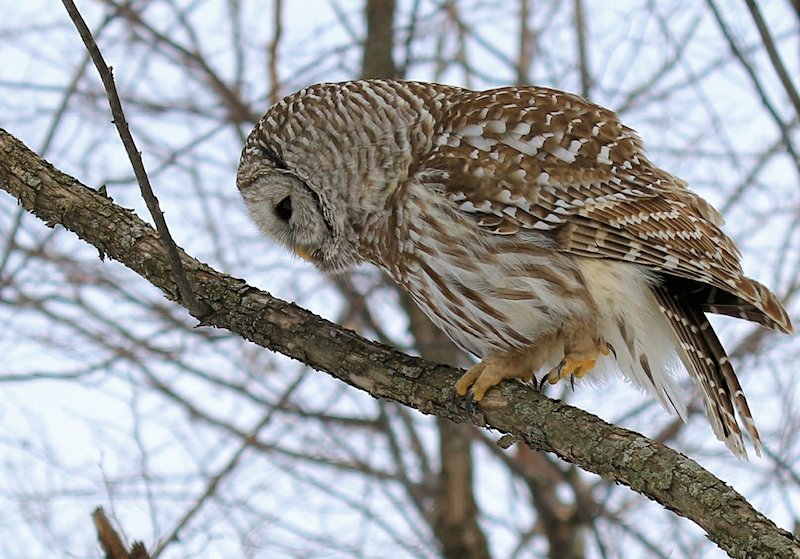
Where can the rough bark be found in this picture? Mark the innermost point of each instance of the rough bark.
(616, 454)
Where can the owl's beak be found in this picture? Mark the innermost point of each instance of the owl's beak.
(303, 253)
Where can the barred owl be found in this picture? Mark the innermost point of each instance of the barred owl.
(526, 222)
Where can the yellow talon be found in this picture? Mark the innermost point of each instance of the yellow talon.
(492, 371)
(583, 367)
(577, 366)
(468, 379)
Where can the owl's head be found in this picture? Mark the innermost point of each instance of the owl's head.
(323, 163)
(289, 209)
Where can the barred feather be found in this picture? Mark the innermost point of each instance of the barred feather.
(704, 357)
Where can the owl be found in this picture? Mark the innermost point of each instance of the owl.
(527, 223)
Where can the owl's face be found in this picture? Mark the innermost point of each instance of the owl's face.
(318, 171)
(290, 210)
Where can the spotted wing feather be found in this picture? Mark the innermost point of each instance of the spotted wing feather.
(534, 159)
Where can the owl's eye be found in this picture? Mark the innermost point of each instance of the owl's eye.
(284, 209)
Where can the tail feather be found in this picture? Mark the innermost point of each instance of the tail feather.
(708, 365)
(753, 301)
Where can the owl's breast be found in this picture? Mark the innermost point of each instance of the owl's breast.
(488, 293)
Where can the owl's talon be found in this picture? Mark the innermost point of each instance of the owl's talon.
(469, 402)
(540, 384)
(479, 378)
(578, 365)
(468, 379)
(571, 368)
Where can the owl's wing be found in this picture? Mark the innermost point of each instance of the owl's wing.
(539, 160)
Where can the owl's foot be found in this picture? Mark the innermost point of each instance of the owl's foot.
(577, 364)
(490, 372)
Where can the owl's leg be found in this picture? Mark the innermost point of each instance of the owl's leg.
(581, 353)
(490, 372)
(496, 368)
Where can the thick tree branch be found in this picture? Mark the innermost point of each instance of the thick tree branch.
(617, 454)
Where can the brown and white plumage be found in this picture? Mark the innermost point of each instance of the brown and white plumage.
(526, 222)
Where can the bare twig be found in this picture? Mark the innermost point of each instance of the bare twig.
(111, 542)
(274, 80)
(748, 68)
(190, 301)
(774, 57)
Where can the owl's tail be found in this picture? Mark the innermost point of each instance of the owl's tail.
(708, 365)
(753, 301)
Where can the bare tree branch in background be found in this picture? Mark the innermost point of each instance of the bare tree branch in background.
(527, 44)
(274, 95)
(583, 53)
(751, 73)
(378, 61)
(774, 56)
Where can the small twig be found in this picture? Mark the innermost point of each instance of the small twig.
(112, 542)
(774, 57)
(188, 298)
(274, 80)
(229, 467)
(583, 53)
(748, 68)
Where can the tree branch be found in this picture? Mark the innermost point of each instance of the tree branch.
(187, 296)
(576, 436)
(748, 68)
(111, 542)
(774, 55)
